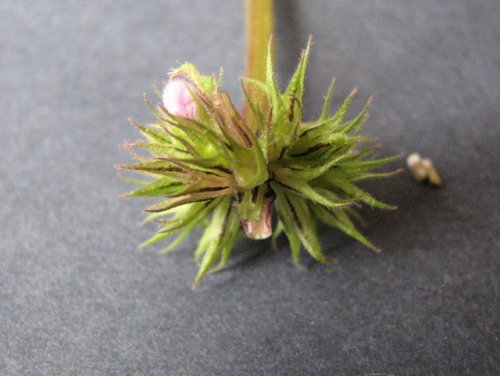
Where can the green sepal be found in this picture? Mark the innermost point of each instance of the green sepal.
(325, 112)
(249, 166)
(296, 215)
(358, 194)
(219, 235)
(289, 226)
(160, 187)
(345, 225)
(250, 203)
(206, 83)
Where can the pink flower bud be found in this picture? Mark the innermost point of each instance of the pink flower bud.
(178, 100)
(261, 229)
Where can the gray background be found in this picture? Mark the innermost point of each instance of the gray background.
(78, 298)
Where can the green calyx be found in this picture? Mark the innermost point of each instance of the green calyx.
(228, 174)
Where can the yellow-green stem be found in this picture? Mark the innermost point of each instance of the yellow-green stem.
(259, 28)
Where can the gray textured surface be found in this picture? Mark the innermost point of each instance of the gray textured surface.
(78, 298)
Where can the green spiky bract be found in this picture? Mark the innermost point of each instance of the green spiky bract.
(219, 170)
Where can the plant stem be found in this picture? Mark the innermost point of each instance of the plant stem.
(259, 28)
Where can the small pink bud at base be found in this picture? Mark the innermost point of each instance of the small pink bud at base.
(262, 228)
(178, 100)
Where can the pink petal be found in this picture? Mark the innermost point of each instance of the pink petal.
(261, 229)
(178, 100)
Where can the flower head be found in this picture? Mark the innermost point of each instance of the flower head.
(213, 167)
